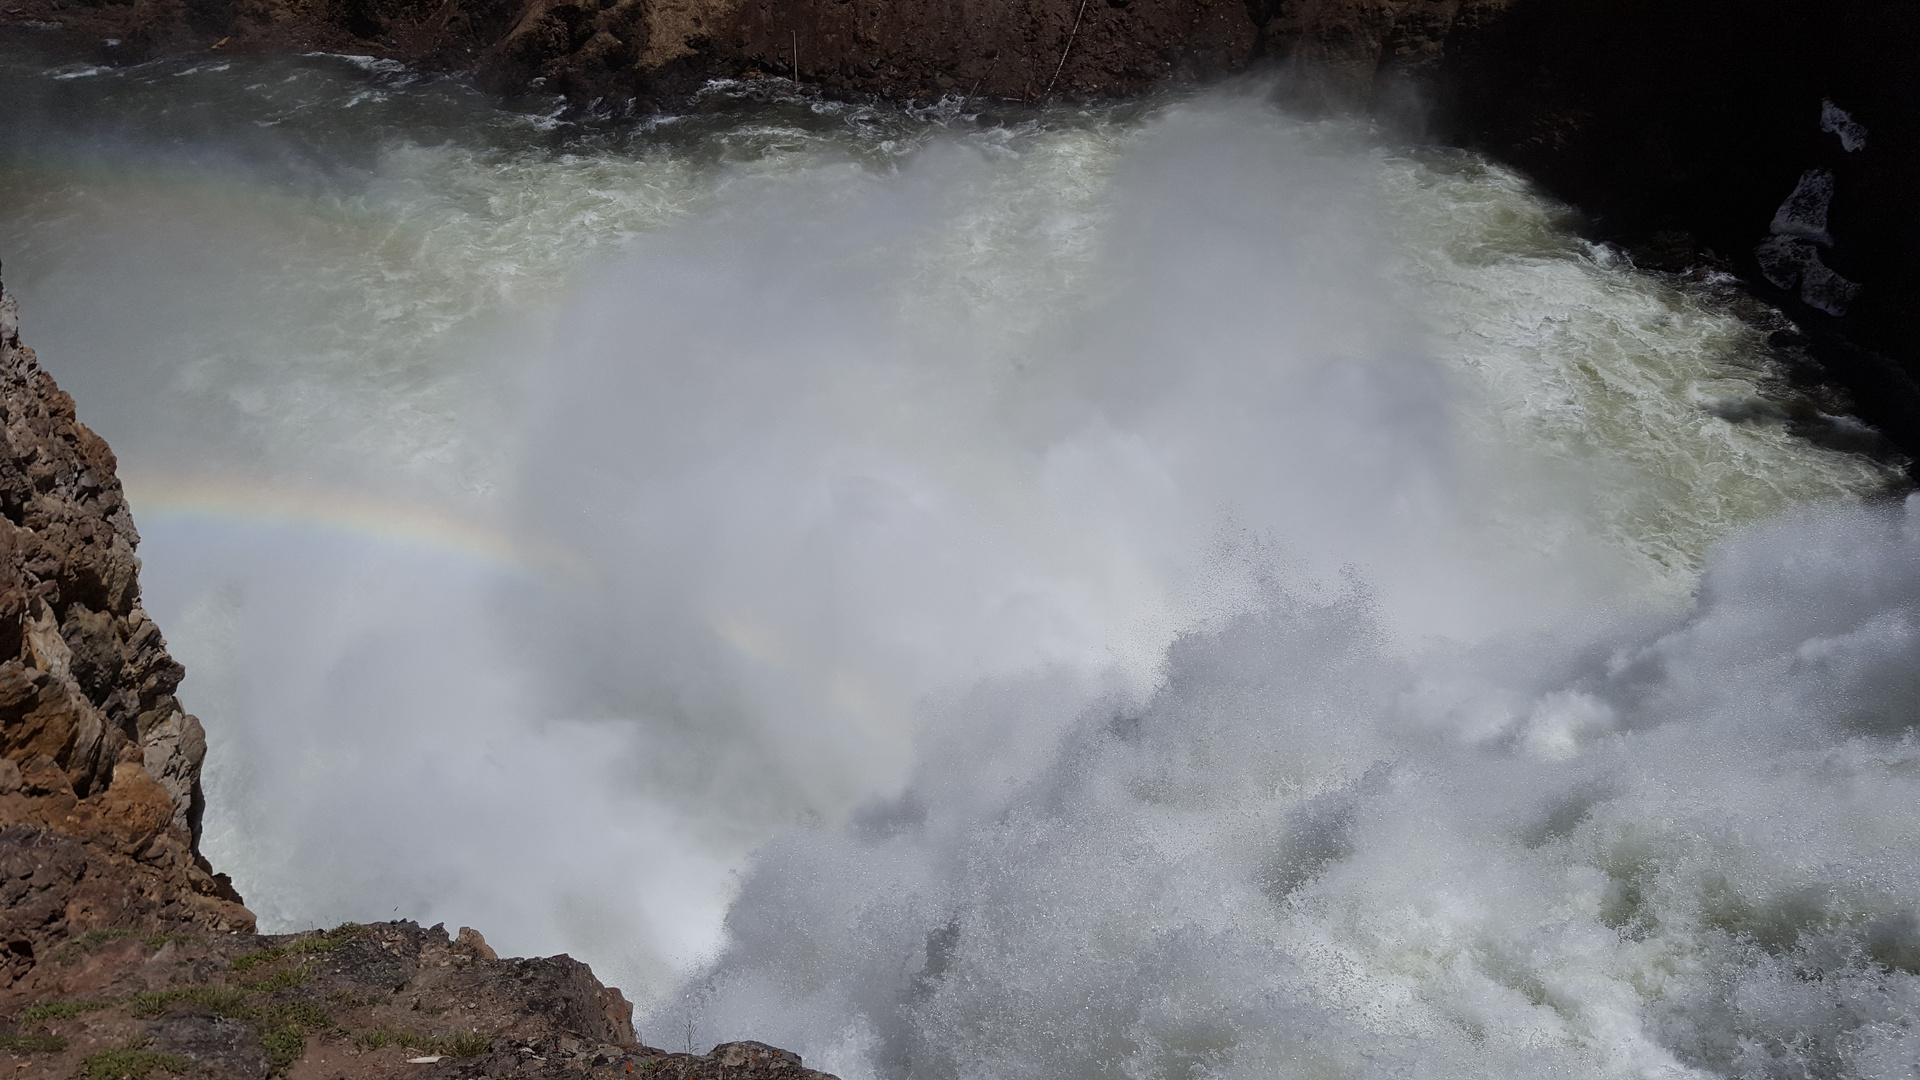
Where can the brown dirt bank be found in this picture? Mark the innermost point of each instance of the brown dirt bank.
(1679, 126)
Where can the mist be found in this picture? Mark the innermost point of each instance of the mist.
(1149, 590)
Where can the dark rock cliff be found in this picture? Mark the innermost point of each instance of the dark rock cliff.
(1776, 138)
(121, 952)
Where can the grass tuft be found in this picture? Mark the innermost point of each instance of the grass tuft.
(61, 1010)
(305, 1014)
(284, 1045)
(284, 979)
(130, 1063)
(79, 944)
(326, 942)
(218, 1000)
(468, 1044)
(284, 1029)
(32, 1044)
(386, 1036)
(87, 941)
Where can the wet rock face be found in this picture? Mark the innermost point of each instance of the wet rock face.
(99, 765)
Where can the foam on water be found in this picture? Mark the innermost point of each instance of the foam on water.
(1162, 590)
(1687, 853)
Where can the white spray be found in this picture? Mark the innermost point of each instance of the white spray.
(1200, 594)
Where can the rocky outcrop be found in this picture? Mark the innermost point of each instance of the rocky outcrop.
(121, 952)
(99, 765)
(352, 1002)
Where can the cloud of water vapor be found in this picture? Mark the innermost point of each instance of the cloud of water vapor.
(1682, 854)
(856, 440)
(1117, 554)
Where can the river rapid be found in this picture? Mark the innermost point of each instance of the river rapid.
(1165, 589)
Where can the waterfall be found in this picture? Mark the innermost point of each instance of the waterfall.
(1158, 589)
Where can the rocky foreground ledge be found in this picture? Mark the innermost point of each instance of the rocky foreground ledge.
(388, 1000)
(122, 953)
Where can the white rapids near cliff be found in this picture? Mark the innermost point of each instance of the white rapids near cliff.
(1161, 591)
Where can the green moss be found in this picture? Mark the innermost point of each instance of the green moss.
(130, 1063)
(33, 1044)
(61, 1010)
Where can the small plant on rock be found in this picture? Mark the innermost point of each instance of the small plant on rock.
(470, 1044)
(326, 942)
(284, 979)
(467, 1044)
(219, 1000)
(61, 1010)
(284, 1045)
(132, 1062)
(87, 941)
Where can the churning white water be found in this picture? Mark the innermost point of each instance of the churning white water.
(1165, 590)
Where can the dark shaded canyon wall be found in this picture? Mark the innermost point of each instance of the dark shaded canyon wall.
(652, 50)
(1681, 127)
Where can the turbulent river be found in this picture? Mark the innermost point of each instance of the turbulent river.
(1158, 590)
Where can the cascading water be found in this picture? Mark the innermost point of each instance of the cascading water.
(1155, 590)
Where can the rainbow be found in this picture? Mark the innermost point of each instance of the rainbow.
(159, 497)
